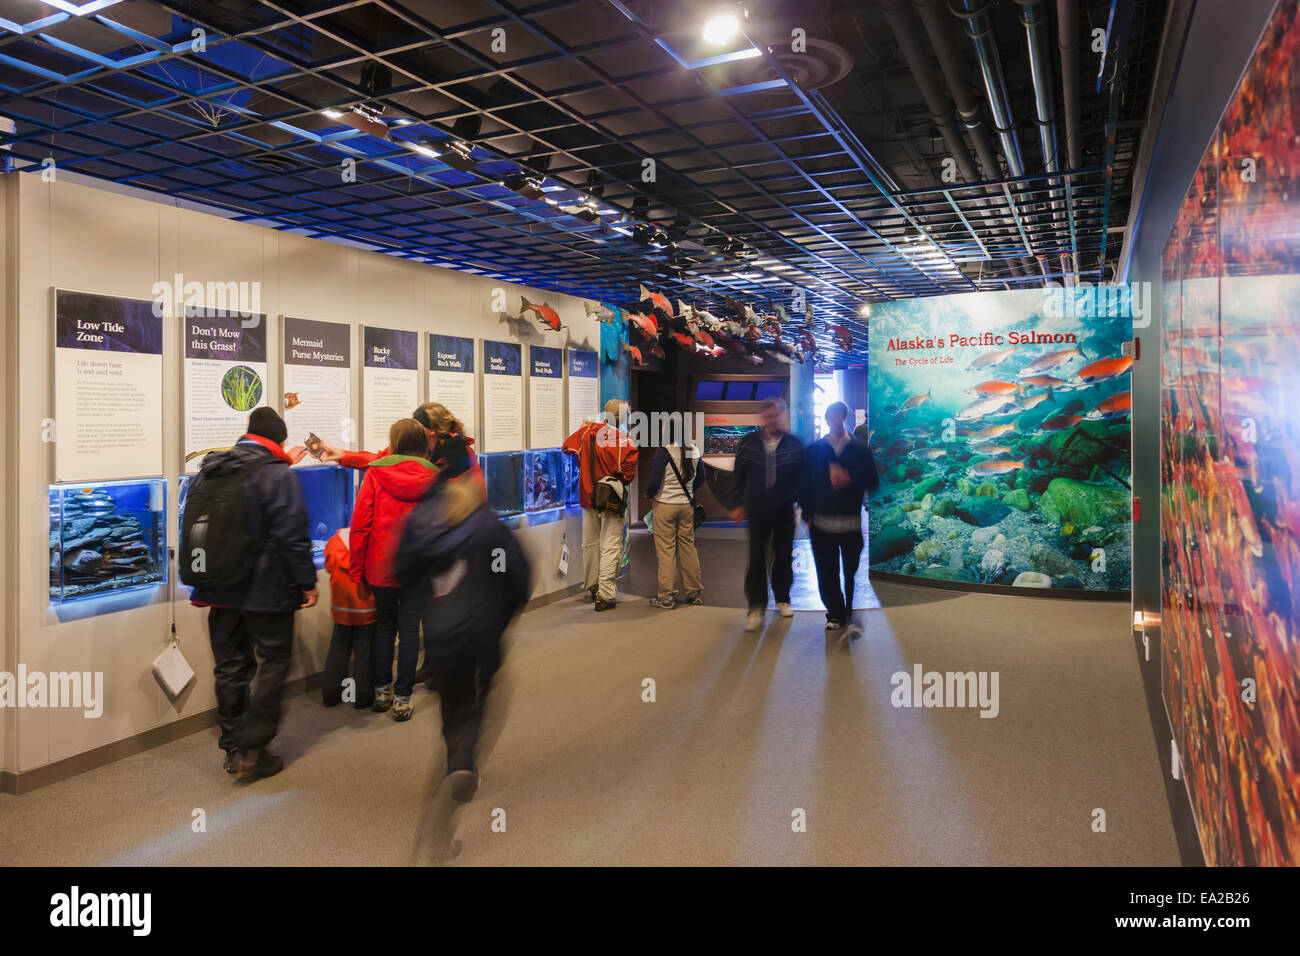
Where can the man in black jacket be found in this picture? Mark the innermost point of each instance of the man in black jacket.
(840, 471)
(257, 614)
(765, 484)
(475, 578)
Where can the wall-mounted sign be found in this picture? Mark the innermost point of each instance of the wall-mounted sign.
(503, 396)
(584, 387)
(318, 382)
(390, 386)
(451, 378)
(545, 397)
(108, 391)
(224, 379)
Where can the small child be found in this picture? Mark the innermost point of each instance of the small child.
(353, 608)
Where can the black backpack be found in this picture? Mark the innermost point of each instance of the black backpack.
(217, 547)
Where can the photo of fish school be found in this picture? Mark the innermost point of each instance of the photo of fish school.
(624, 433)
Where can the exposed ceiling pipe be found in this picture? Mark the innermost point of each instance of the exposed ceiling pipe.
(979, 27)
(1067, 32)
(1033, 15)
(937, 29)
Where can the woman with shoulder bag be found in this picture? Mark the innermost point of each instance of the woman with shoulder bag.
(676, 475)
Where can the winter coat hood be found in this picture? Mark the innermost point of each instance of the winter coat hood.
(405, 477)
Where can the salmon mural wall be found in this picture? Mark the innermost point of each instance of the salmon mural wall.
(1000, 425)
(1230, 462)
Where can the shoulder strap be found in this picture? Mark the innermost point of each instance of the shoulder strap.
(591, 460)
(672, 464)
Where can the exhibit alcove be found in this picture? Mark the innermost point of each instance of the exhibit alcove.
(503, 475)
(571, 480)
(106, 536)
(327, 491)
(544, 479)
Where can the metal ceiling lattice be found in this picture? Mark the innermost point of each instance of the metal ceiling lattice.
(759, 187)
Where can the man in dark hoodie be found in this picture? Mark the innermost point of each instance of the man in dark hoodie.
(840, 471)
(475, 578)
(257, 614)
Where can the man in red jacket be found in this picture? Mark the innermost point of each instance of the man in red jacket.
(603, 450)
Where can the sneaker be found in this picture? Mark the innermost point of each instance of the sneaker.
(666, 603)
(258, 763)
(784, 608)
(464, 784)
(231, 763)
(383, 699)
(605, 605)
(695, 598)
(755, 621)
(833, 625)
(402, 708)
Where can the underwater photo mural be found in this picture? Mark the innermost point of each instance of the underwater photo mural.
(1000, 426)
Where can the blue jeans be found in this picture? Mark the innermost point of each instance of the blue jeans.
(399, 618)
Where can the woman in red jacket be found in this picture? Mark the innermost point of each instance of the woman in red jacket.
(448, 446)
(390, 489)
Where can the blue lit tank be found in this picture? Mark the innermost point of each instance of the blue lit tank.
(544, 480)
(107, 536)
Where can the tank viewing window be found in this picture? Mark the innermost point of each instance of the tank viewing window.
(107, 536)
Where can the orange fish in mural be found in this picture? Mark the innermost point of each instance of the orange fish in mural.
(985, 469)
(990, 433)
(1117, 406)
(1058, 422)
(993, 388)
(1102, 370)
(990, 359)
(916, 401)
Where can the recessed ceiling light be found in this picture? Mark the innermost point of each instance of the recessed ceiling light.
(721, 28)
(332, 114)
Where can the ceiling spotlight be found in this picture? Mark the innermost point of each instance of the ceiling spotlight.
(865, 310)
(530, 187)
(721, 28)
(641, 234)
(458, 158)
(332, 114)
(425, 147)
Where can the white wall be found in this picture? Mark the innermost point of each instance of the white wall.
(75, 236)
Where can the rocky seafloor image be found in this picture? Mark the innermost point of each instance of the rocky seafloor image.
(94, 547)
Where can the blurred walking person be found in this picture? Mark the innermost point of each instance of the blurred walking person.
(606, 466)
(474, 578)
(675, 477)
(389, 491)
(246, 552)
(840, 471)
(765, 484)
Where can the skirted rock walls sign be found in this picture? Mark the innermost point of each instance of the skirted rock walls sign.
(1000, 425)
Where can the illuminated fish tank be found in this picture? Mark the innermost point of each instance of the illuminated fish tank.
(571, 480)
(328, 493)
(107, 536)
(544, 480)
(724, 439)
(503, 475)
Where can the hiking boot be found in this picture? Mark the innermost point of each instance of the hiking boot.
(464, 784)
(784, 609)
(231, 763)
(258, 763)
(402, 708)
(667, 603)
(754, 621)
(383, 699)
(605, 605)
(695, 598)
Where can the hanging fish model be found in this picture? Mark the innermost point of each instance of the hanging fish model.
(657, 300)
(843, 337)
(545, 314)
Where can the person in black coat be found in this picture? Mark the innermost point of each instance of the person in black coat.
(766, 481)
(475, 578)
(256, 616)
(840, 471)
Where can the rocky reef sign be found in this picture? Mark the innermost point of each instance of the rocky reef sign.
(1000, 425)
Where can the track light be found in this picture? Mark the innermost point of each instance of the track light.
(458, 158)
(530, 187)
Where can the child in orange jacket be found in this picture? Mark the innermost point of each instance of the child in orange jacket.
(353, 608)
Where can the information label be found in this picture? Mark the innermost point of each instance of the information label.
(451, 378)
(390, 381)
(545, 397)
(584, 388)
(318, 383)
(107, 388)
(224, 378)
(503, 396)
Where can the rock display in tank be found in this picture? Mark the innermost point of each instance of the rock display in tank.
(94, 547)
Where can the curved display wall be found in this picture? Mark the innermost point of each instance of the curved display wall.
(1000, 425)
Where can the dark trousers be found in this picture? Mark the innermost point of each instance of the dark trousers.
(349, 644)
(247, 711)
(463, 681)
(399, 618)
(774, 528)
(831, 550)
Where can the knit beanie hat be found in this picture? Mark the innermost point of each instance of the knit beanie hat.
(265, 423)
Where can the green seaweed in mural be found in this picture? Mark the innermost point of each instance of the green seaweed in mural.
(241, 388)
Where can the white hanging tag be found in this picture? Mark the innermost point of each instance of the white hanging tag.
(564, 556)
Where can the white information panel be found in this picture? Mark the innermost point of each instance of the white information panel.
(390, 381)
(318, 383)
(503, 396)
(452, 379)
(108, 388)
(545, 397)
(584, 388)
(225, 379)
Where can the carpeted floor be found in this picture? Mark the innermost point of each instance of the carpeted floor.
(747, 736)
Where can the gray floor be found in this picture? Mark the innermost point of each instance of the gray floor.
(745, 731)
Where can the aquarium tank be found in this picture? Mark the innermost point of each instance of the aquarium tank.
(503, 475)
(106, 536)
(571, 480)
(328, 492)
(544, 481)
(725, 439)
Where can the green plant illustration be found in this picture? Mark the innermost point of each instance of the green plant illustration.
(241, 388)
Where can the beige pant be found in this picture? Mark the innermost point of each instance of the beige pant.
(675, 545)
(602, 551)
